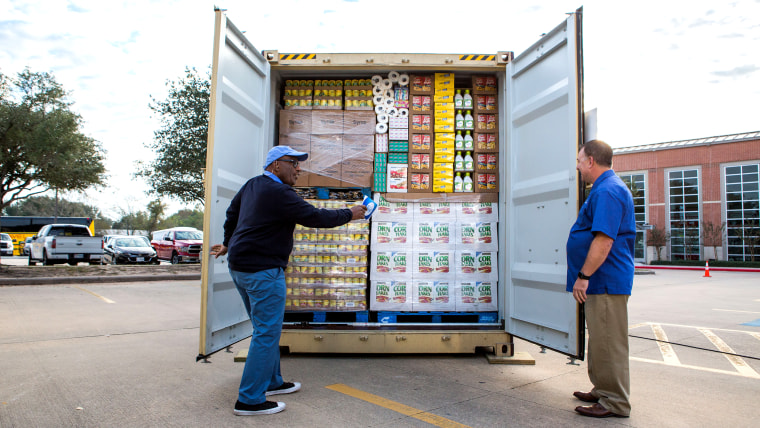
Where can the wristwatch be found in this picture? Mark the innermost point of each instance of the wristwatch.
(581, 275)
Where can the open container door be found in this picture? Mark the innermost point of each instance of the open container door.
(238, 140)
(544, 92)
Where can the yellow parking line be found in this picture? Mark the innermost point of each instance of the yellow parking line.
(396, 407)
(105, 299)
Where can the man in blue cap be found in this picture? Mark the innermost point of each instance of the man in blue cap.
(258, 238)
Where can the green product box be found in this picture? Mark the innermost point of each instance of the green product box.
(379, 182)
(398, 146)
(398, 157)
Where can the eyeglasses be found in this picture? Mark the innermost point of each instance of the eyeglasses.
(294, 162)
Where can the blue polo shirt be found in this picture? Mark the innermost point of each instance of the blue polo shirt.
(609, 210)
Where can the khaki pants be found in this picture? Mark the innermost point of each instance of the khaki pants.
(607, 321)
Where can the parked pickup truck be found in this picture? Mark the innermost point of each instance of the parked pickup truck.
(178, 244)
(65, 243)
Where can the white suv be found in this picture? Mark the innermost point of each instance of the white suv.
(6, 244)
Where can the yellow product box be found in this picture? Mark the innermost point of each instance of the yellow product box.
(444, 157)
(444, 144)
(445, 136)
(442, 178)
(444, 98)
(445, 151)
(443, 188)
(446, 166)
(443, 120)
(444, 127)
(444, 91)
(443, 76)
(444, 84)
(447, 113)
(443, 106)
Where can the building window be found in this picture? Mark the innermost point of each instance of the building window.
(742, 212)
(684, 214)
(637, 186)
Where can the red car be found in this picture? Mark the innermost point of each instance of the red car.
(178, 244)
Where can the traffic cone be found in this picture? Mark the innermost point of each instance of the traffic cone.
(707, 269)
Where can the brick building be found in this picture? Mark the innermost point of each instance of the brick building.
(687, 187)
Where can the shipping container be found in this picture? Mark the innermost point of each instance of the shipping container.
(538, 129)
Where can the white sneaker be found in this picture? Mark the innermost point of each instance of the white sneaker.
(265, 408)
(285, 388)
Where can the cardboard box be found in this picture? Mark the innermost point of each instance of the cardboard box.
(398, 134)
(421, 84)
(381, 143)
(477, 211)
(444, 97)
(419, 182)
(379, 181)
(444, 158)
(486, 122)
(432, 210)
(420, 162)
(477, 235)
(486, 162)
(398, 176)
(357, 147)
(444, 127)
(448, 113)
(485, 103)
(421, 123)
(421, 143)
(441, 106)
(485, 182)
(327, 122)
(476, 296)
(484, 85)
(390, 295)
(398, 123)
(295, 121)
(421, 103)
(359, 122)
(356, 173)
(302, 143)
(434, 233)
(433, 296)
(486, 142)
(476, 265)
(396, 210)
(325, 165)
(390, 264)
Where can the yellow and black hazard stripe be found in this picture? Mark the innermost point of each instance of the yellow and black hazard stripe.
(475, 57)
(285, 57)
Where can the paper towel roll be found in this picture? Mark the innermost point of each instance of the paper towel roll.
(403, 79)
(388, 102)
(379, 109)
(392, 112)
(389, 93)
(377, 90)
(383, 118)
(403, 112)
(381, 128)
(386, 84)
(378, 100)
(393, 76)
(376, 79)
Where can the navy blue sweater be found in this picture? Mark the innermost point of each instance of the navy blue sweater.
(260, 222)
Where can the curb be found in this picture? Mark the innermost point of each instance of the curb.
(699, 268)
(97, 279)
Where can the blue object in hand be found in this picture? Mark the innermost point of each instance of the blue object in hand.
(371, 206)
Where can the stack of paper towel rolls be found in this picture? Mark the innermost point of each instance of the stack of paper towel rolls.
(383, 98)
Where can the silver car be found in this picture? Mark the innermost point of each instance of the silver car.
(6, 244)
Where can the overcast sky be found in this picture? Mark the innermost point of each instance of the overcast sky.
(655, 70)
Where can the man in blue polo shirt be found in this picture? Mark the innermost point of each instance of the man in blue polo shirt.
(600, 276)
(258, 239)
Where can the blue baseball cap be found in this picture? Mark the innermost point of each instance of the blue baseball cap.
(277, 152)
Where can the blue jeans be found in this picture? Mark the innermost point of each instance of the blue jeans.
(263, 294)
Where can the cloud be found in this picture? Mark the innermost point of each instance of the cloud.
(737, 71)
(732, 35)
(74, 8)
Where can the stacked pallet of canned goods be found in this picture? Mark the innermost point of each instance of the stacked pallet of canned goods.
(327, 270)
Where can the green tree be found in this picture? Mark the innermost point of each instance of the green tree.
(184, 218)
(41, 145)
(155, 213)
(45, 206)
(180, 144)
(133, 221)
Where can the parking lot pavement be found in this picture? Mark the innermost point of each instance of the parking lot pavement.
(124, 355)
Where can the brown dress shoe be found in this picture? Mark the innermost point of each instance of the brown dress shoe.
(596, 411)
(585, 396)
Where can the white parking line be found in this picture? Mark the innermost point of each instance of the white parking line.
(668, 354)
(735, 310)
(735, 361)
